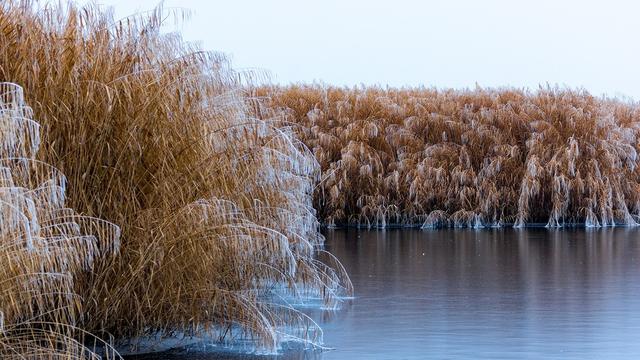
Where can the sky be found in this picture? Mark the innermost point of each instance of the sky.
(446, 44)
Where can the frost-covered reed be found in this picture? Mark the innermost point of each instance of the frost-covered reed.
(467, 158)
(44, 245)
(153, 134)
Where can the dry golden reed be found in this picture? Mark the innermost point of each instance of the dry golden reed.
(469, 158)
(219, 236)
(44, 245)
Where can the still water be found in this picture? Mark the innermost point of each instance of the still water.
(480, 294)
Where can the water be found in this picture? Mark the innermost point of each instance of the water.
(481, 294)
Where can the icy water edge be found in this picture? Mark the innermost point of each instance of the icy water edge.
(478, 294)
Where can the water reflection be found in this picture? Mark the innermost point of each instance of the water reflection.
(485, 294)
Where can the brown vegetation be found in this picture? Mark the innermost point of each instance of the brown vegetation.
(472, 158)
(44, 245)
(214, 205)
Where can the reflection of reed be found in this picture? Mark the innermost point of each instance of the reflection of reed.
(527, 263)
(492, 293)
(574, 260)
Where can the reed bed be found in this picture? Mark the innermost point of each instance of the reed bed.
(44, 246)
(466, 158)
(218, 233)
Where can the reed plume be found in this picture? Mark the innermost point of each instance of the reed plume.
(219, 236)
(467, 158)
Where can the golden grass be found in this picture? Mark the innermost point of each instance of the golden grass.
(44, 245)
(215, 206)
(478, 157)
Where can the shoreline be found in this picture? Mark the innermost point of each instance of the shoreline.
(399, 226)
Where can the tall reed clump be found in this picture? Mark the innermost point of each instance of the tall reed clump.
(215, 206)
(469, 158)
(44, 245)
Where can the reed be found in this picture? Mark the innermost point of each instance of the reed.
(467, 158)
(219, 236)
(44, 245)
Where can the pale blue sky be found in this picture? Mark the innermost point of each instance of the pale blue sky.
(453, 43)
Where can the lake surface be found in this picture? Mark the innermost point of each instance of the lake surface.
(480, 294)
